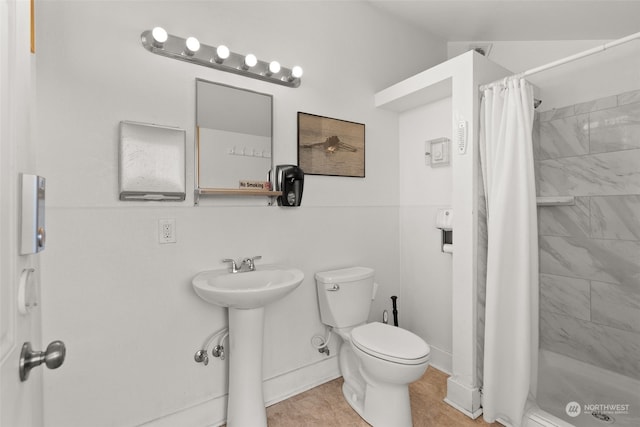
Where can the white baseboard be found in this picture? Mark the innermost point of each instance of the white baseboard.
(441, 360)
(283, 386)
(464, 398)
(212, 413)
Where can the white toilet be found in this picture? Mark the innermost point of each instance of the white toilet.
(377, 361)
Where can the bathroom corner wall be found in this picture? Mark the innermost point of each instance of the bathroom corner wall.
(590, 252)
(425, 301)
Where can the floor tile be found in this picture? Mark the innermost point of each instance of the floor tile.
(324, 406)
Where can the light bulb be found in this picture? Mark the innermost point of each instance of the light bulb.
(296, 72)
(274, 67)
(159, 35)
(250, 61)
(193, 45)
(222, 53)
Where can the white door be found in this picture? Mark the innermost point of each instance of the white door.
(20, 401)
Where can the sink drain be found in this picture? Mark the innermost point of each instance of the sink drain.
(604, 418)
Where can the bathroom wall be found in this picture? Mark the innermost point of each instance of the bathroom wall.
(590, 252)
(421, 188)
(425, 301)
(123, 303)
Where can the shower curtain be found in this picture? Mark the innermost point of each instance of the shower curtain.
(511, 313)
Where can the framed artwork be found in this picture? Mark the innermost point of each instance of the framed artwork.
(329, 146)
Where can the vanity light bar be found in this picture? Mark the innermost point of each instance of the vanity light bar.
(158, 41)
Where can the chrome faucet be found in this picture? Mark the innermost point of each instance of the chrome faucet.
(247, 264)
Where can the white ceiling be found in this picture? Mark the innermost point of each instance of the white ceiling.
(513, 20)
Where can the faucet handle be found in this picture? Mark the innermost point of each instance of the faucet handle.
(234, 266)
(250, 262)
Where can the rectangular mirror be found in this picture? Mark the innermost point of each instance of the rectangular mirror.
(233, 139)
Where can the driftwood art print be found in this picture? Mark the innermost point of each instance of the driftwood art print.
(329, 146)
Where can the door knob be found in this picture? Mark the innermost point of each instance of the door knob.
(53, 357)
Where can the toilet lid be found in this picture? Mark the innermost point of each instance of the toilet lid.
(390, 343)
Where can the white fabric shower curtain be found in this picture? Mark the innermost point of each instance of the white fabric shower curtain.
(511, 316)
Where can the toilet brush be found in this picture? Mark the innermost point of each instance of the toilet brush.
(395, 310)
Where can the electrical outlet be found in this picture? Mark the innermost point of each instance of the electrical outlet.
(167, 230)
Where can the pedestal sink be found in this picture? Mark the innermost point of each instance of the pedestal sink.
(246, 294)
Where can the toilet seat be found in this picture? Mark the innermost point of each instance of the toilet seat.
(390, 343)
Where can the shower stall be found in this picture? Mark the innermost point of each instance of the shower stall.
(586, 152)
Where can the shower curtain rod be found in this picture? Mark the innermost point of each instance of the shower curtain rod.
(568, 59)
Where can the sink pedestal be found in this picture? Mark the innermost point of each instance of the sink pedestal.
(245, 405)
(246, 294)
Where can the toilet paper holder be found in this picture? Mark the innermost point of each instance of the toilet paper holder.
(444, 222)
(446, 244)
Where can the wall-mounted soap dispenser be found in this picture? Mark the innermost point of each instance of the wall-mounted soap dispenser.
(33, 236)
(290, 180)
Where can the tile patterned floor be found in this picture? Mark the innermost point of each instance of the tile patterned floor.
(324, 406)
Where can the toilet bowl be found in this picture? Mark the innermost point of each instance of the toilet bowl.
(377, 361)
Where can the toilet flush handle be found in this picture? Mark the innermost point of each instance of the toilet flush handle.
(334, 288)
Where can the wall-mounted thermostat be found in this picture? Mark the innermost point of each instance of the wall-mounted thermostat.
(32, 228)
(437, 152)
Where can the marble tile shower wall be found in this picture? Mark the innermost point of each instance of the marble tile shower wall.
(482, 240)
(590, 252)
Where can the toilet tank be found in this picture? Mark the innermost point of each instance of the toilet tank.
(345, 296)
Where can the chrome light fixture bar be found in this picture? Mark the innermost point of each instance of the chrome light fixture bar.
(158, 41)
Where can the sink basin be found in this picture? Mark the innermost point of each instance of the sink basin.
(247, 290)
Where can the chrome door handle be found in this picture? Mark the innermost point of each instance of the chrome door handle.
(334, 288)
(53, 357)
